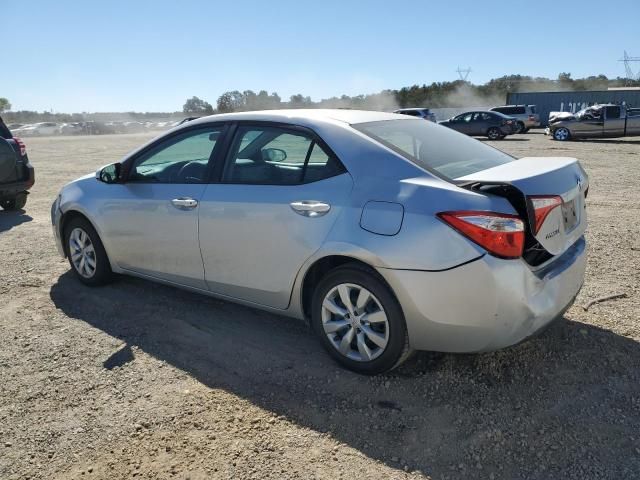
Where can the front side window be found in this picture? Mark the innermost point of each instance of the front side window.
(434, 148)
(464, 118)
(277, 156)
(181, 159)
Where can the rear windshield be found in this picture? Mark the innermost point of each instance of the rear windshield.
(435, 148)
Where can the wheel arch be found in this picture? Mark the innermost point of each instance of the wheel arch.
(320, 267)
(69, 215)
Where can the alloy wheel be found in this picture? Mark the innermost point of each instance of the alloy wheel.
(493, 134)
(82, 253)
(355, 322)
(561, 134)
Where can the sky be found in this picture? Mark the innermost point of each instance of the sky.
(145, 55)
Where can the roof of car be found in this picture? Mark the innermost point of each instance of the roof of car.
(292, 115)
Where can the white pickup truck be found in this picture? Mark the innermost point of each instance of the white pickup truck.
(596, 121)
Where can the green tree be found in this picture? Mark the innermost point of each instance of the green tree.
(4, 104)
(197, 106)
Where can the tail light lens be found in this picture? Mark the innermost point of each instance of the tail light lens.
(542, 207)
(500, 234)
(532, 117)
(23, 147)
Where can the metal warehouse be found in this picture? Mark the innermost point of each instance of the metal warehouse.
(573, 101)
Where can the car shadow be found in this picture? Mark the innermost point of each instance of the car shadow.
(11, 219)
(609, 140)
(439, 413)
(506, 139)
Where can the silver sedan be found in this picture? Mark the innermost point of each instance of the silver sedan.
(389, 234)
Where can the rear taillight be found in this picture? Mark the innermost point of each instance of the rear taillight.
(507, 122)
(542, 207)
(500, 234)
(532, 118)
(23, 147)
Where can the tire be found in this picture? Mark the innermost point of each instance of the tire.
(391, 346)
(526, 130)
(520, 128)
(561, 134)
(16, 203)
(494, 133)
(100, 273)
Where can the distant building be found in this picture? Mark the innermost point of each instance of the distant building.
(573, 101)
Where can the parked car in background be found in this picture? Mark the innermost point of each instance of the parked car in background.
(71, 128)
(37, 129)
(525, 115)
(97, 128)
(596, 121)
(417, 112)
(323, 214)
(15, 126)
(493, 125)
(16, 173)
(133, 127)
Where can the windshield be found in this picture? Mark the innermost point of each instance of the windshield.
(435, 148)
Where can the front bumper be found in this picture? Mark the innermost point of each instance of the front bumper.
(486, 304)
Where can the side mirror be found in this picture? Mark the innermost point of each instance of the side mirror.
(273, 155)
(110, 173)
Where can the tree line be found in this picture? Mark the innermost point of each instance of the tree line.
(457, 93)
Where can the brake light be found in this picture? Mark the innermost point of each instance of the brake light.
(23, 147)
(532, 117)
(542, 207)
(500, 234)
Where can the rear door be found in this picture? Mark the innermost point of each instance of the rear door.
(279, 195)
(613, 124)
(546, 178)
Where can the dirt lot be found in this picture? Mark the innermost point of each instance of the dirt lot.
(137, 379)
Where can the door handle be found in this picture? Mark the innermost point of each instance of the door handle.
(310, 208)
(184, 203)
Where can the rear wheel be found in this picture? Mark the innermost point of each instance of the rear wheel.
(494, 133)
(16, 203)
(520, 127)
(525, 130)
(561, 134)
(359, 321)
(86, 254)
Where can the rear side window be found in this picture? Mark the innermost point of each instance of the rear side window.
(613, 112)
(435, 148)
(532, 108)
(278, 156)
(413, 113)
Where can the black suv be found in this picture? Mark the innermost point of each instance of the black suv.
(16, 173)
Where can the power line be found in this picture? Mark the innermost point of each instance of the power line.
(626, 59)
(464, 73)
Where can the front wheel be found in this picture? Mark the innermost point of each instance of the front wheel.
(561, 134)
(16, 203)
(86, 254)
(359, 321)
(494, 133)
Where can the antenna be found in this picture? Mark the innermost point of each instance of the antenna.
(626, 59)
(464, 73)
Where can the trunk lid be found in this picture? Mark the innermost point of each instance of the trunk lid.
(545, 177)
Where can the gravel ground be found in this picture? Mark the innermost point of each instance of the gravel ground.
(141, 380)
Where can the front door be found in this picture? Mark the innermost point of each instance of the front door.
(280, 194)
(151, 219)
